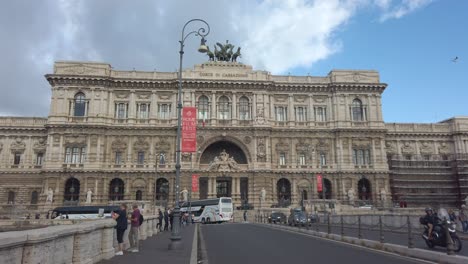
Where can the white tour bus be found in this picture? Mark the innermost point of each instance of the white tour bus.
(216, 210)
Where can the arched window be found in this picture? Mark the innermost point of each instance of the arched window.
(72, 190)
(327, 189)
(11, 197)
(34, 197)
(139, 195)
(244, 108)
(162, 189)
(283, 188)
(80, 105)
(364, 189)
(203, 108)
(357, 110)
(224, 108)
(116, 189)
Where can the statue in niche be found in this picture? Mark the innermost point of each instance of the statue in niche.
(50, 196)
(184, 195)
(89, 195)
(263, 195)
(351, 195)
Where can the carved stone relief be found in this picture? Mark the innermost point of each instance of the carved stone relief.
(119, 145)
(18, 146)
(40, 145)
(200, 139)
(261, 150)
(141, 144)
(75, 140)
(444, 148)
(390, 147)
(282, 146)
(186, 157)
(247, 140)
(163, 146)
(407, 148)
(121, 94)
(223, 162)
(426, 148)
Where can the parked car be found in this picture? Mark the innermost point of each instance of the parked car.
(298, 218)
(277, 217)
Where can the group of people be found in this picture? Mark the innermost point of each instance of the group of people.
(123, 218)
(168, 217)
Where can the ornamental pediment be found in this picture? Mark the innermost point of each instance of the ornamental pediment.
(40, 145)
(163, 146)
(119, 145)
(141, 144)
(75, 140)
(347, 76)
(282, 146)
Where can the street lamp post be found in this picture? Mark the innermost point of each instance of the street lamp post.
(203, 32)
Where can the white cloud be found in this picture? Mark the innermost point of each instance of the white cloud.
(275, 35)
(280, 35)
(391, 10)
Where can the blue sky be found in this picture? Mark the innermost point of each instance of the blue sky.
(410, 42)
(413, 55)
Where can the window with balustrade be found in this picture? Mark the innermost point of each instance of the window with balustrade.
(164, 111)
(203, 107)
(75, 155)
(143, 110)
(224, 108)
(281, 113)
(244, 108)
(320, 113)
(361, 157)
(301, 113)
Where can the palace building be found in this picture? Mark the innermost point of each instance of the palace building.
(111, 135)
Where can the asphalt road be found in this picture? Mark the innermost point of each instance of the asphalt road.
(390, 237)
(247, 243)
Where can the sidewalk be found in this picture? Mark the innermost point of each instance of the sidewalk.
(155, 250)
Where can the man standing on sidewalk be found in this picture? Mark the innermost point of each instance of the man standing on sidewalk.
(463, 216)
(135, 225)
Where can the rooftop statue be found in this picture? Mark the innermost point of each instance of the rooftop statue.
(224, 53)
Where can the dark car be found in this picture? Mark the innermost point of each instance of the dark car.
(277, 217)
(298, 218)
(314, 218)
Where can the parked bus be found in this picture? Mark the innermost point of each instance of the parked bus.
(216, 210)
(84, 212)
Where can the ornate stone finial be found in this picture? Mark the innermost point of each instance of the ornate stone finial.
(224, 53)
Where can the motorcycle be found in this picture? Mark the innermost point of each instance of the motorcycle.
(439, 237)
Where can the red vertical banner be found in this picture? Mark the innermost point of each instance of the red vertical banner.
(195, 182)
(189, 129)
(319, 183)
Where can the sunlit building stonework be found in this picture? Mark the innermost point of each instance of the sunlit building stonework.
(112, 133)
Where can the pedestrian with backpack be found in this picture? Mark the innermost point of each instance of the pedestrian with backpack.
(135, 222)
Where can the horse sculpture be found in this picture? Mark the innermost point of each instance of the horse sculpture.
(224, 53)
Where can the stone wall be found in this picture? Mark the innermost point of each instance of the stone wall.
(85, 242)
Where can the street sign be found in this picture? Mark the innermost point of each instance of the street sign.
(189, 129)
(195, 182)
(319, 183)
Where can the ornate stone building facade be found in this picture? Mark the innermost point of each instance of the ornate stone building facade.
(110, 135)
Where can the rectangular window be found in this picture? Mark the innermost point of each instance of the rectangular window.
(282, 159)
(143, 111)
(301, 113)
(323, 159)
(162, 158)
(17, 159)
(141, 157)
(244, 110)
(320, 114)
(281, 113)
(164, 111)
(118, 157)
(361, 157)
(302, 159)
(121, 110)
(75, 155)
(39, 158)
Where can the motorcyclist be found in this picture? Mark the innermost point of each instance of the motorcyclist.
(430, 220)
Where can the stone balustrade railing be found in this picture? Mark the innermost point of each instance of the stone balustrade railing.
(85, 242)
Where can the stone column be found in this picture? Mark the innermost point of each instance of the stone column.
(95, 194)
(213, 108)
(294, 191)
(254, 108)
(291, 117)
(210, 186)
(374, 156)
(234, 109)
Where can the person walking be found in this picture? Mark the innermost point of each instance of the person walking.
(171, 218)
(463, 217)
(135, 226)
(160, 220)
(121, 218)
(166, 220)
(245, 216)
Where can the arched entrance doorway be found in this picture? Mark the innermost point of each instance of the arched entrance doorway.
(364, 189)
(72, 190)
(162, 191)
(116, 190)
(327, 189)
(221, 158)
(283, 188)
